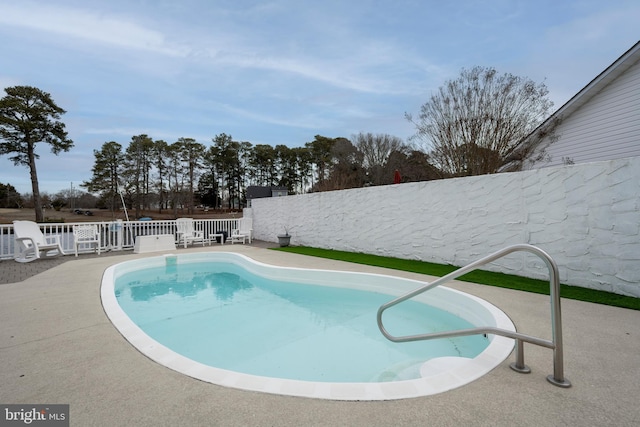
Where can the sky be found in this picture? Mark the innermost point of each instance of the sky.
(280, 71)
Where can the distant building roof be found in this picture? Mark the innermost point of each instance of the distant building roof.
(258, 192)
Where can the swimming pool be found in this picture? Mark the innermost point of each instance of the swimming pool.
(150, 301)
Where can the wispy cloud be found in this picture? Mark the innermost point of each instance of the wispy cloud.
(340, 69)
(86, 26)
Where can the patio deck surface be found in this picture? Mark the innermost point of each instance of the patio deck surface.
(58, 346)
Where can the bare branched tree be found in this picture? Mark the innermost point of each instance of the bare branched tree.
(376, 151)
(473, 123)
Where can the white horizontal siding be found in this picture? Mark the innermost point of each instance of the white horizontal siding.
(606, 127)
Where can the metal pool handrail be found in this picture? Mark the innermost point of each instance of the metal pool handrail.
(557, 378)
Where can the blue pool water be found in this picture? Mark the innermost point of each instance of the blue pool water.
(221, 315)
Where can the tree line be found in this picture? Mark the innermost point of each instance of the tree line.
(153, 174)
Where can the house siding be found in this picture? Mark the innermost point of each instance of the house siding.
(607, 127)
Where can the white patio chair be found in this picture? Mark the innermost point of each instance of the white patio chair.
(244, 231)
(236, 237)
(86, 234)
(187, 233)
(31, 242)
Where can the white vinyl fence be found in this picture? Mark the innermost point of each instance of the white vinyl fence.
(116, 235)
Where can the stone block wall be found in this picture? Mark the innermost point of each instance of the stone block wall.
(586, 216)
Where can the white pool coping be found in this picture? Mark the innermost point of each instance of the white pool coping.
(438, 374)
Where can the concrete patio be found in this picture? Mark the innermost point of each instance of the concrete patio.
(58, 346)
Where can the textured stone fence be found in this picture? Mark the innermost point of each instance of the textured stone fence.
(586, 216)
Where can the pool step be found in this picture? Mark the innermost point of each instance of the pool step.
(414, 369)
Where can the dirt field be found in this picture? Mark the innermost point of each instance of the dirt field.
(66, 215)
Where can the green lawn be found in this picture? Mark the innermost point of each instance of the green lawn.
(477, 276)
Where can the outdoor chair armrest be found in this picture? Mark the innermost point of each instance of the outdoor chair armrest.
(24, 240)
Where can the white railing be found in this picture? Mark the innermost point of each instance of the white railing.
(557, 378)
(116, 235)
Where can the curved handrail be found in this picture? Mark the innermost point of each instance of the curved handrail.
(556, 319)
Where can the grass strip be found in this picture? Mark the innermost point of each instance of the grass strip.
(478, 276)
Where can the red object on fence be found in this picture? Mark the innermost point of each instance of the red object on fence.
(397, 179)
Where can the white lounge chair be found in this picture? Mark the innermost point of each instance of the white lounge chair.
(31, 242)
(244, 231)
(86, 234)
(187, 233)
